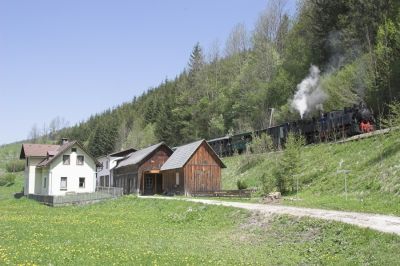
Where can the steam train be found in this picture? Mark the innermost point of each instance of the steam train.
(329, 126)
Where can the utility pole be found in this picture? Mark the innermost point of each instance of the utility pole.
(270, 117)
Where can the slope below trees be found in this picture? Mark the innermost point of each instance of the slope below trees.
(372, 176)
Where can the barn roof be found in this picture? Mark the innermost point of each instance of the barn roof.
(183, 153)
(122, 153)
(138, 156)
(36, 150)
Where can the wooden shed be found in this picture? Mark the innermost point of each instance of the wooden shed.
(192, 168)
(139, 172)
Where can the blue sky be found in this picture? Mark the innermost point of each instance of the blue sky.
(74, 58)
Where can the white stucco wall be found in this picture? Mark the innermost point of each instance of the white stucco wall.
(30, 174)
(107, 171)
(73, 172)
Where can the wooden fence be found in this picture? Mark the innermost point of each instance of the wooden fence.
(240, 193)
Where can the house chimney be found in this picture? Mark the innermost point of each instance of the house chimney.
(64, 141)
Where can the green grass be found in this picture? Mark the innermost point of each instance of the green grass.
(132, 231)
(373, 181)
(168, 232)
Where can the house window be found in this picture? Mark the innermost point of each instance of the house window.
(107, 164)
(79, 160)
(177, 178)
(63, 183)
(66, 160)
(44, 182)
(81, 182)
(102, 181)
(73, 150)
(107, 180)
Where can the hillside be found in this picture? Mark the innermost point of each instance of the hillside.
(373, 182)
(329, 54)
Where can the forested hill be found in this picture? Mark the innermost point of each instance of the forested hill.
(354, 44)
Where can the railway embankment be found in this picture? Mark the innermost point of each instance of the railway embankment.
(361, 176)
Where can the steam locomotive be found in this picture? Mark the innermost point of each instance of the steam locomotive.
(329, 126)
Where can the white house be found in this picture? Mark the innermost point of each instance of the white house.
(105, 174)
(58, 169)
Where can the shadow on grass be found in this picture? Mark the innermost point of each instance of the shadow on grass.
(18, 195)
(387, 153)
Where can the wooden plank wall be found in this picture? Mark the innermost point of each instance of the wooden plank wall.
(202, 172)
(154, 162)
(169, 181)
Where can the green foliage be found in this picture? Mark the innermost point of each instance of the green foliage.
(15, 166)
(393, 118)
(357, 53)
(7, 178)
(288, 167)
(216, 125)
(261, 144)
(241, 184)
(267, 184)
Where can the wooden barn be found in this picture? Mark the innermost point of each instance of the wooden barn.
(139, 172)
(192, 168)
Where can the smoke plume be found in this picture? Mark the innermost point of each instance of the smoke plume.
(309, 95)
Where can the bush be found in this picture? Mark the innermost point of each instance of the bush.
(241, 184)
(289, 164)
(15, 166)
(261, 144)
(267, 185)
(7, 179)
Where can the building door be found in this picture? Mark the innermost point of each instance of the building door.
(158, 183)
(148, 184)
(129, 186)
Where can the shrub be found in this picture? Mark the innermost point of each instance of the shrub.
(261, 144)
(267, 185)
(241, 184)
(289, 164)
(393, 118)
(15, 166)
(7, 179)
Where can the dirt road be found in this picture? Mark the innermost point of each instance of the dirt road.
(383, 223)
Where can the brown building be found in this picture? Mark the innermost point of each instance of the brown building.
(191, 168)
(139, 172)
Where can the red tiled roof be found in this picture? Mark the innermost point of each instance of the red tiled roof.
(61, 149)
(36, 150)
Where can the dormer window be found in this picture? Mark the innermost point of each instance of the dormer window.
(66, 160)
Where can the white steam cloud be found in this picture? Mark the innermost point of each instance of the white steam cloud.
(309, 95)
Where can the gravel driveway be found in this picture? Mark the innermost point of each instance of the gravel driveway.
(383, 223)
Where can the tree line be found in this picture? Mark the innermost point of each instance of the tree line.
(355, 43)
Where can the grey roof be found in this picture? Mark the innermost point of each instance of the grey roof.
(138, 156)
(183, 153)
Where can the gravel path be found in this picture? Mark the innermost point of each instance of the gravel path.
(383, 223)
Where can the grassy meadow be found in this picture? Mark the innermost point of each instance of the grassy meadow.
(373, 183)
(135, 231)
